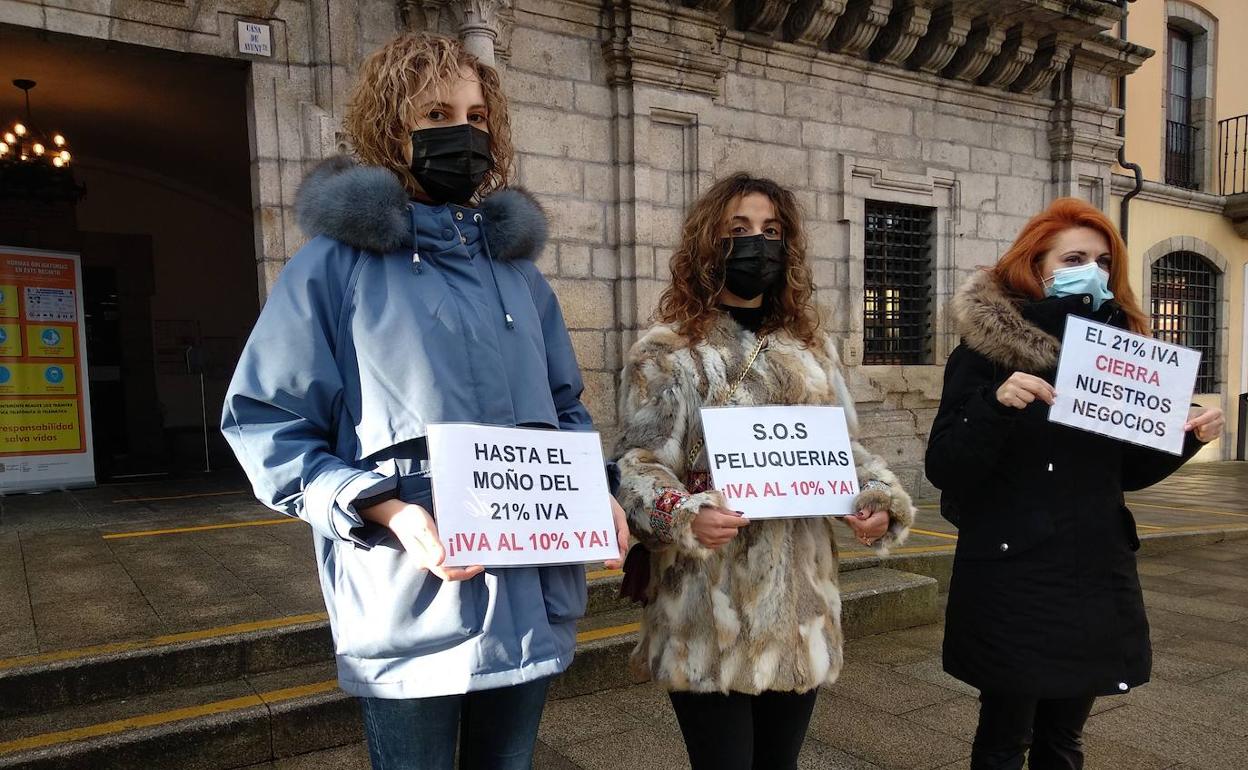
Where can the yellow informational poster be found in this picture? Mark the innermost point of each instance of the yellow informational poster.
(10, 340)
(45, 411)
(8, 300)
(39, 426)
(50, 341)
(37, 380)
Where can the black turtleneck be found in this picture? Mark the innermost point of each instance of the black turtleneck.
(750, 318)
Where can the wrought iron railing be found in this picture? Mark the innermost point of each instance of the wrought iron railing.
(1181, 155)
(1233, 155)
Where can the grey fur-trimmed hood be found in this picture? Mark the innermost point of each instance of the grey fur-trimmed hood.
(992, 324)
(366, 207)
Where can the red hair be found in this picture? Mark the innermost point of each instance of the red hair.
(1018, 270)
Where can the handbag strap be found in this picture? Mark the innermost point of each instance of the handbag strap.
(749, 364)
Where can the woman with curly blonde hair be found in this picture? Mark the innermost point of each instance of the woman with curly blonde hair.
(416, 301)
(742, 619)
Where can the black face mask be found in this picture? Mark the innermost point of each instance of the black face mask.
(450, 163)
(753, 265)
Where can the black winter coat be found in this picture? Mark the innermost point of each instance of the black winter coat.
(1045, 600)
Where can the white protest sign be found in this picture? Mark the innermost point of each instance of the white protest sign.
(506, 497)
(773, 462)
(1123, 385)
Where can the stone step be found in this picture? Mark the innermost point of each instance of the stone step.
(259, 717)
(223, 725)
(47, 682)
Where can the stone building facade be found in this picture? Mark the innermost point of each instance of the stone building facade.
(977, 111)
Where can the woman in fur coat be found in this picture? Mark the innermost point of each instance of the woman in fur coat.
(416, 301)
(742, 619)
(1045, 610)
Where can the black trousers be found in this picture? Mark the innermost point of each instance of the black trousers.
(1010, 724)
(743, 732)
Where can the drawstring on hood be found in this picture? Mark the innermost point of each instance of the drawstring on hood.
(507, 319)
(417, 265)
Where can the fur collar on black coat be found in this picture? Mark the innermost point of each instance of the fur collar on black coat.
(366, 207)
(1015, 333)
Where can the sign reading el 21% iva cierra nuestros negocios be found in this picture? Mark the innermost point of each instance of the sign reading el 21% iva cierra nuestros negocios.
(773, 462)
(508, 497)
(1123, 385)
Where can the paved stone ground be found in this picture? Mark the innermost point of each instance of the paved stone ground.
(67, 580)
(894, 709)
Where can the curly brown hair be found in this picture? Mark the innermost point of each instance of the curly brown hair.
(691, 302)
(400, 77)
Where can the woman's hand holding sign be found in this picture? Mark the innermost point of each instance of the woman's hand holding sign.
(418, 533)
(714, 526)
(1022, 389)
(1206, 422)
(868, 525)
(621, 534)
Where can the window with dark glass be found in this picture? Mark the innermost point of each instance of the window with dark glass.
(1180, 133)
(1185, 309)
(897, 306)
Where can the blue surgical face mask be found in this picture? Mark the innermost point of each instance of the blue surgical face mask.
(1087, 278)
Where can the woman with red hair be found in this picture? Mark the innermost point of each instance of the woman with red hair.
(1045, 610)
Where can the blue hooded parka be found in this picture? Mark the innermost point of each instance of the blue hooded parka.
(394, 316)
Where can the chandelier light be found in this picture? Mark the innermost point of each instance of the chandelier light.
(35, 165)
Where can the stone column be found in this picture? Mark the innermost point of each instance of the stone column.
(484, 26)
(479, 24)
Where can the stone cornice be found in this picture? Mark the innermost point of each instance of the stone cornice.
(762, 16)
(1017, 51)
(946, 33)
(907, 25)
(857, 28)
(1156, 192)
(811, 21)
(1051, 58)
(1016, 46)
(1110, 56)
(983, 43)
(639, 52)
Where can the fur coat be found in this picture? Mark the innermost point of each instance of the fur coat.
(763, 611)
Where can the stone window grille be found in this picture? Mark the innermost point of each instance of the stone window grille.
(1184, 299)
(897, 283)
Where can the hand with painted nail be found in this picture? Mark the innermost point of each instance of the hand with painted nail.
(868, 525)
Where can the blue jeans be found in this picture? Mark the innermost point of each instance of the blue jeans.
(497, 729)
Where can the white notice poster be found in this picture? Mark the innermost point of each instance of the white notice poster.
(1123, 385)
(773, 462)
(507, 497)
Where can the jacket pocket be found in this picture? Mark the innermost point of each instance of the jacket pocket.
(386, 606)
(564, 591)
(1003, 532)
(1128, 525)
